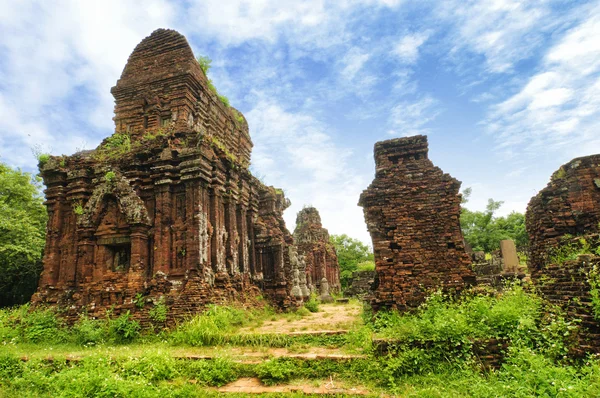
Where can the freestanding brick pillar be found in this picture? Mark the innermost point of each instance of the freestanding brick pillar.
(412, 211)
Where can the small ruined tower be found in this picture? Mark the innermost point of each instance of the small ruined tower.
(412, 212)
(166, 207)
(313, 243)
(568, 205)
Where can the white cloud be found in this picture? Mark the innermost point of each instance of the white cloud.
(411, 117)
(59, 62)
(503, 31)
(407, 50)
(310, 166)
(558, 108)
(353, 61)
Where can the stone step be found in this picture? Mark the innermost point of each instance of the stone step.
(252, 385)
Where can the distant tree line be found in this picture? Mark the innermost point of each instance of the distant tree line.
(22, 235)
(353, 255)
(484, 231)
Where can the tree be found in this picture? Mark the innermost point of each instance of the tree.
(483, 231)
(22, 235)
(351, 253)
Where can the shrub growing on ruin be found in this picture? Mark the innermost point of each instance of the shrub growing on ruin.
(159, 312)
(123, 329)
(78, 208)
(110, 177)
(312, 304)
(204, 63)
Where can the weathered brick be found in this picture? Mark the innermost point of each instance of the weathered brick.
(319, 254)
(166, 207)
(412, 212)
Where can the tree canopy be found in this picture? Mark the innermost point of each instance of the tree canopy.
(353, 255)
(22, 234)
(483, 231)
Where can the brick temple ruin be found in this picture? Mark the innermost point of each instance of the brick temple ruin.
(319, 254)
(566, 214)
(166, 207)
(412, 212)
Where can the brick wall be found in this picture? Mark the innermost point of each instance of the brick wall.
(173, 211)
(412, 212)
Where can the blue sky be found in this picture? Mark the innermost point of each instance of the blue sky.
(506, 90)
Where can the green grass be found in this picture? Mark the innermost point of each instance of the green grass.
(432, 357)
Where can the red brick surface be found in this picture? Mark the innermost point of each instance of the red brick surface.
(412, 212)
(320, 256)
(181, 219)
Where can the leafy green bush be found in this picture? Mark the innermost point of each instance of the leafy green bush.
(215, 372)
(88, 331)
(152, 366)
(474, 316)
(159, 312)
(123, 329)
(24, 325)
(312, 304)
(10, 367)
(593, 279)
(211, 327)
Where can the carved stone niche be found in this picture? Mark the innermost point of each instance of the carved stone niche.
(113, 238)
(114, 230)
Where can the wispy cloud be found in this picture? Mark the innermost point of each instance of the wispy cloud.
(294, 151)
(410, 118)
(407, 49)
(502, 31)
(59, 62)
(558, 108)
(353, 61)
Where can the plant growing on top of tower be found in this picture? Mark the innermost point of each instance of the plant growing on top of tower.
(110, 177)
(42, 157)
(224, 100)
(204, 63)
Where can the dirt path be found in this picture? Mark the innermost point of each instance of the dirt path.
(251, 385)
(331, 317)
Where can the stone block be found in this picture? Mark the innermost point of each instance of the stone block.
(510, 258)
